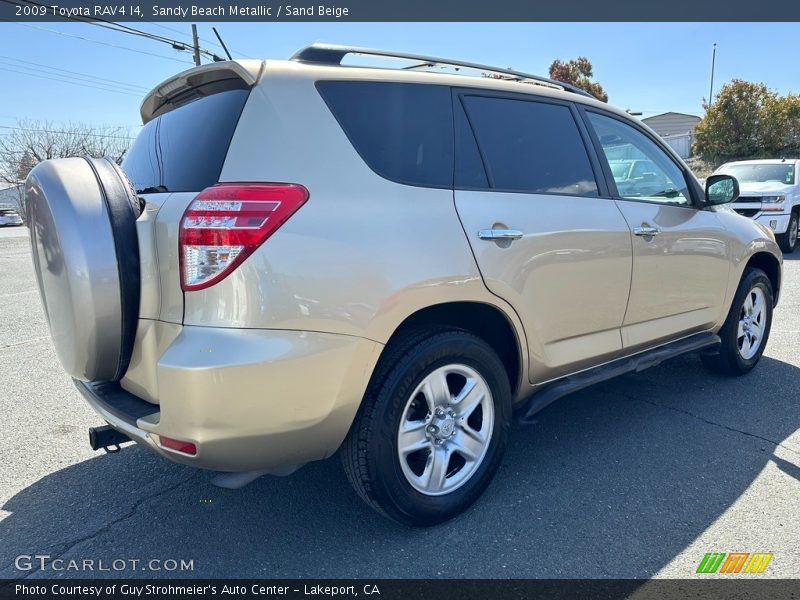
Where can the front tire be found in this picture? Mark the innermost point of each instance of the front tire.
(746, 330)
(788, 241)
(432, 429)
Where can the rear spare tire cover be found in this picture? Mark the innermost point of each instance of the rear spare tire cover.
(82, 217)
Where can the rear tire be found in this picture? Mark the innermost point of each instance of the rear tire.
(788, 241)
(746, 330)
(448, 390)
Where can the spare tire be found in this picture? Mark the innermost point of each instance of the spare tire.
(82, 217)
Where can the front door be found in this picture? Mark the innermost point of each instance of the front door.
(544, 236)
(681, 260)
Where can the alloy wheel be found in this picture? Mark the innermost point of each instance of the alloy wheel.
(445, 429)
(752, 323)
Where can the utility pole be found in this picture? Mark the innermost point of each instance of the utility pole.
(713, 62)
(196, 45)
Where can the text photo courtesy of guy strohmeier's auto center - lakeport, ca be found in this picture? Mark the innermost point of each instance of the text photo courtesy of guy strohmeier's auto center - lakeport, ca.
(338, 304)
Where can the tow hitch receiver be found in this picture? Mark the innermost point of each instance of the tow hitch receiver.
(107, 438)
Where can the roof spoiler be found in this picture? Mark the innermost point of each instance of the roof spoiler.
(197, 82)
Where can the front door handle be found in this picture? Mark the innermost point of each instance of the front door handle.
(499, 234)
(646, 231)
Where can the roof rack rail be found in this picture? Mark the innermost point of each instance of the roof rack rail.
(332, 54)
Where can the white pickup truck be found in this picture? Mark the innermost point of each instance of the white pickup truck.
(769, 192)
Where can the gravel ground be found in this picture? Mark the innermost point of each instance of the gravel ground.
(634, 478)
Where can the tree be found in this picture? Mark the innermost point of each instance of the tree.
(578, 72)
(789, 114)
(32, 142)
(748, 120)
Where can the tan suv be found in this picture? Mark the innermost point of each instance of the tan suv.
(388, 263)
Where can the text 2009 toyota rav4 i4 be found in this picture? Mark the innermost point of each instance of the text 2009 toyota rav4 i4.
(387, 263)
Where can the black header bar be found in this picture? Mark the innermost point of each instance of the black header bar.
(402, 10)
(398, 589)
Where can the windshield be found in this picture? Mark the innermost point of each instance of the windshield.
(762, 173)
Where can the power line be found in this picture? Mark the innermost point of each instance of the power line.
(34, 120)
(19, 119)
(112, 26)
(37, 72)
(176, 44)
(38, 130)
(36, 66)
(85, 39)
(202, 39)
(172, 29)
(96, 21)
(72, 82)
(120, 28)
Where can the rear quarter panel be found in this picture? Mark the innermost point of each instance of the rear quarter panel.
(360, 256)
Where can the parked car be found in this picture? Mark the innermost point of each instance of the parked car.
(380, 263)
(770, 194)
(9, 215)
(636, 177)
(629, 169)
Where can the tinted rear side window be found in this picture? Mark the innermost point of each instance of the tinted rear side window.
(531, 146)
(403, 131)
(469, 170)
(184, 149)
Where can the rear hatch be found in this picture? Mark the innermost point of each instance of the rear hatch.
(189, 121)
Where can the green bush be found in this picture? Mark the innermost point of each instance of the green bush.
(748, 120)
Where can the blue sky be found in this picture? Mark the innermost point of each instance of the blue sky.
(649, 67)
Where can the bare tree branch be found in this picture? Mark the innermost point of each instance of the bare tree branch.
(32, 142)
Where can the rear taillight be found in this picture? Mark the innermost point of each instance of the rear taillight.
(227, 222)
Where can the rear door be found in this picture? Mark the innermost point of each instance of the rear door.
(545, 235)
(681, 253)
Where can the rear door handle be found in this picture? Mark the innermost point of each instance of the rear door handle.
(499, 234)
(646, 231)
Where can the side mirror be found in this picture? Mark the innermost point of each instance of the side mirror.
(721, 189)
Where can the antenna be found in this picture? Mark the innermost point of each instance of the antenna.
(221, 43)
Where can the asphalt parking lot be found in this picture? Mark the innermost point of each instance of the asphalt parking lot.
(634, 478)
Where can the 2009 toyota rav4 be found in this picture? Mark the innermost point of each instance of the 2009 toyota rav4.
(312, 257)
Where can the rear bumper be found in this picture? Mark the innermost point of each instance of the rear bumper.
(248, 399)
(120, 409)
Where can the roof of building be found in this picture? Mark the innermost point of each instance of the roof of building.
(671, 113)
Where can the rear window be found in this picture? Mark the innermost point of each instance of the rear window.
(183, 150)
(530, 146)
(403, 131)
